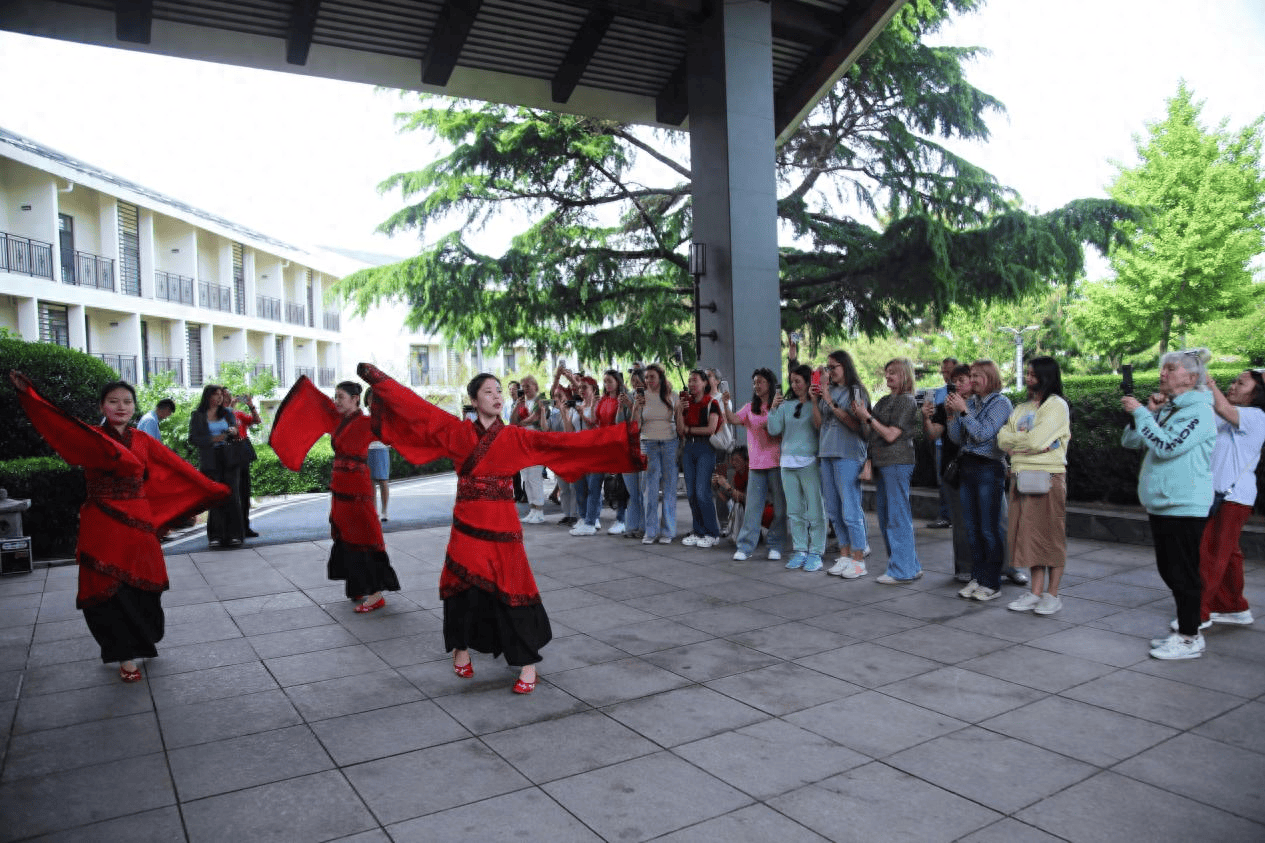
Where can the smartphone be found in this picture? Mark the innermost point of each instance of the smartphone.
(796, 337)
(816, 378)
(1126, 379)
(950, 388)
(724, 386)
(641, 392)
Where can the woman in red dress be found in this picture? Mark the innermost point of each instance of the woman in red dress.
(491, 603)
(358, 556)
(136, 488)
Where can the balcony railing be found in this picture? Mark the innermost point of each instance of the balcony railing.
(25, 256)
(294, 314)
(215, 296)
(89, 270)
(171, 287)
(124, 364)
(158, 365)
(332, 321)
(325, 376)
(310, 371)
(266, 307)
(260, 369)
(418, 376)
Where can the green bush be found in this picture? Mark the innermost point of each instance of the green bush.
(68, 378)
(56, 491)
(268, 477)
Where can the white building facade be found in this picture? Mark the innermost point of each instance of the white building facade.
(149, 284)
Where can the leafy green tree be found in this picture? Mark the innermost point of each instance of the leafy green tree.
(1188, 260)
(601, 265)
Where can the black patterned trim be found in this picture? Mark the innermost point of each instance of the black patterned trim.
(501, 536)
(471, 580)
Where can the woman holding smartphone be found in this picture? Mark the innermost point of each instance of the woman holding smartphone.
(655, 411)
(764, 477)
(697, 418)
(796, 420)
(841, 449)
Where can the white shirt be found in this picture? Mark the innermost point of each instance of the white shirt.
(1237, 454)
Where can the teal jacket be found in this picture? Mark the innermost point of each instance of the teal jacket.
(1176, 476)
(799, 435)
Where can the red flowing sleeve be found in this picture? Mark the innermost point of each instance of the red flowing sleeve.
(77, 442)
(615, 449)
(305, 415)
(174, 488)
(419, 430)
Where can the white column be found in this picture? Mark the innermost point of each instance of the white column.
(145, 262)
(209, 373)
(76, 315)
(178, 346)
(29, 319)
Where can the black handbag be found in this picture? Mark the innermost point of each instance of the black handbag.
(951, 475)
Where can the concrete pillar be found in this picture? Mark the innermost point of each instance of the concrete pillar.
(732, 143)
(178, 346)
(76, 316)
(145, 260)
(210, 373)
(29, 319)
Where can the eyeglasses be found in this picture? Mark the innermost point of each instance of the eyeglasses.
(833, 366)
(799, 408)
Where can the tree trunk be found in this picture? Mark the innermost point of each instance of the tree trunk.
(1168, 327)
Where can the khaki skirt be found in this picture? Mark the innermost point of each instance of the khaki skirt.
(1037, 526)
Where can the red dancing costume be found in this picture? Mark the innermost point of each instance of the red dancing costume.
(358, 556)
(491, 602)
(136, 487)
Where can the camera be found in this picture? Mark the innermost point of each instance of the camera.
(1126, 379)
(677, 357)
(572, 402)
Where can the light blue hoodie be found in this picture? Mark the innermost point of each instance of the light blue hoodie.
(1176, 476)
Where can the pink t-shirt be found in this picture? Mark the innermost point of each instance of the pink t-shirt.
(763, 451)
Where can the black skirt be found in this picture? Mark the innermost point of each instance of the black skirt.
(475, 620)
(128, 625)
(224, 524)
(365, 571)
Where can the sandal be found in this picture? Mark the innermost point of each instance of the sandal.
(129, 675)
(521, 687)
(371, 607)
(465, 671)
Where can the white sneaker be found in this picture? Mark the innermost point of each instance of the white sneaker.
(983, 593)
(616, 529)
(1179, 647)
(1202, 626)
(1025, 603)
(841, 565)
(865, 554)
(665, 539)
(739, 556)
(1243, 618)
(967, 590)
(775, 555)
(583, 529)
(648, 540)
(854, 570)
(690, 540)
(706, 541)
(535, 516)
(1049, 604)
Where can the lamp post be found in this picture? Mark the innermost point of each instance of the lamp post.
(698, 268)
(1018, 333)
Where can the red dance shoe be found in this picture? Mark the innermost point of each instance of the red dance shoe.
(465, 671)
(372, 607)
(521, 687)
(129, 675)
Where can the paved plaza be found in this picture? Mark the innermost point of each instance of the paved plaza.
(685, 697)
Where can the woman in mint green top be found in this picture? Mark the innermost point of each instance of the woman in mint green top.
(796, 420)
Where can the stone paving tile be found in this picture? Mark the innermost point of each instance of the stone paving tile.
(675, 604)
(527, 812)
(213, 720)
(961, 693)
(626, 588)
(292, 642)
(1036, 668)
(306, 668)
(488, 705)
(943, 644)
(770, 757)
(709, 659)
(612, 800)
(1154, 698)
(1098, 645)
(796, 606)
(1009, 831)
(684, 714)
(440, 777)
(351, 694)
(237, 763)
(354, 738)
(281, 620)
(864, 622)
(1116, 593)
(1240, 727)
(591, 619)
(1017, 627)
(612, 682)
(872, 802)
(191, 657)
(782, 688)
(40, 804)
(1100, 736)
(157, 826)
(211, 684)
(578, 650)
(1214, 670)
(84, 744)
(991, 769)
(313, 807)
(874, 724)
(66, 676)
(80, 648)
(752, 824)
(82, 705)
(1109, 808)
(577, 743)
(869, 665)
(791, 640)
(1199, 768)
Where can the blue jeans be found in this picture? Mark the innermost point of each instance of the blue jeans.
(982, 489)
(588, 493)
(763, 484)
(896, 520)
(660, 477)
(842, 492)
(947, 492)
(699, 461)
(633, 518)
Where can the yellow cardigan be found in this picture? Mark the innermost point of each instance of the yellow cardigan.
(1037, 428)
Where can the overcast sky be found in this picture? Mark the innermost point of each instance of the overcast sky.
(300, 158)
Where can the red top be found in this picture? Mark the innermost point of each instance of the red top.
(305, 415)
(696, 413)
(245, 420)
(136, 486)
(485, 546)
(606, 410)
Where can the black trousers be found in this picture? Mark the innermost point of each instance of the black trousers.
(243, 492)
(1177, 557)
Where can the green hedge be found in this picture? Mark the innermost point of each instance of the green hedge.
(56, 491)
(68, 378)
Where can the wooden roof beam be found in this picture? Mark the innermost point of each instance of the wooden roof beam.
(796, 21)
(452, 28)
(672, 104)
(133, 20)
(302, 26)
(583, 47)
